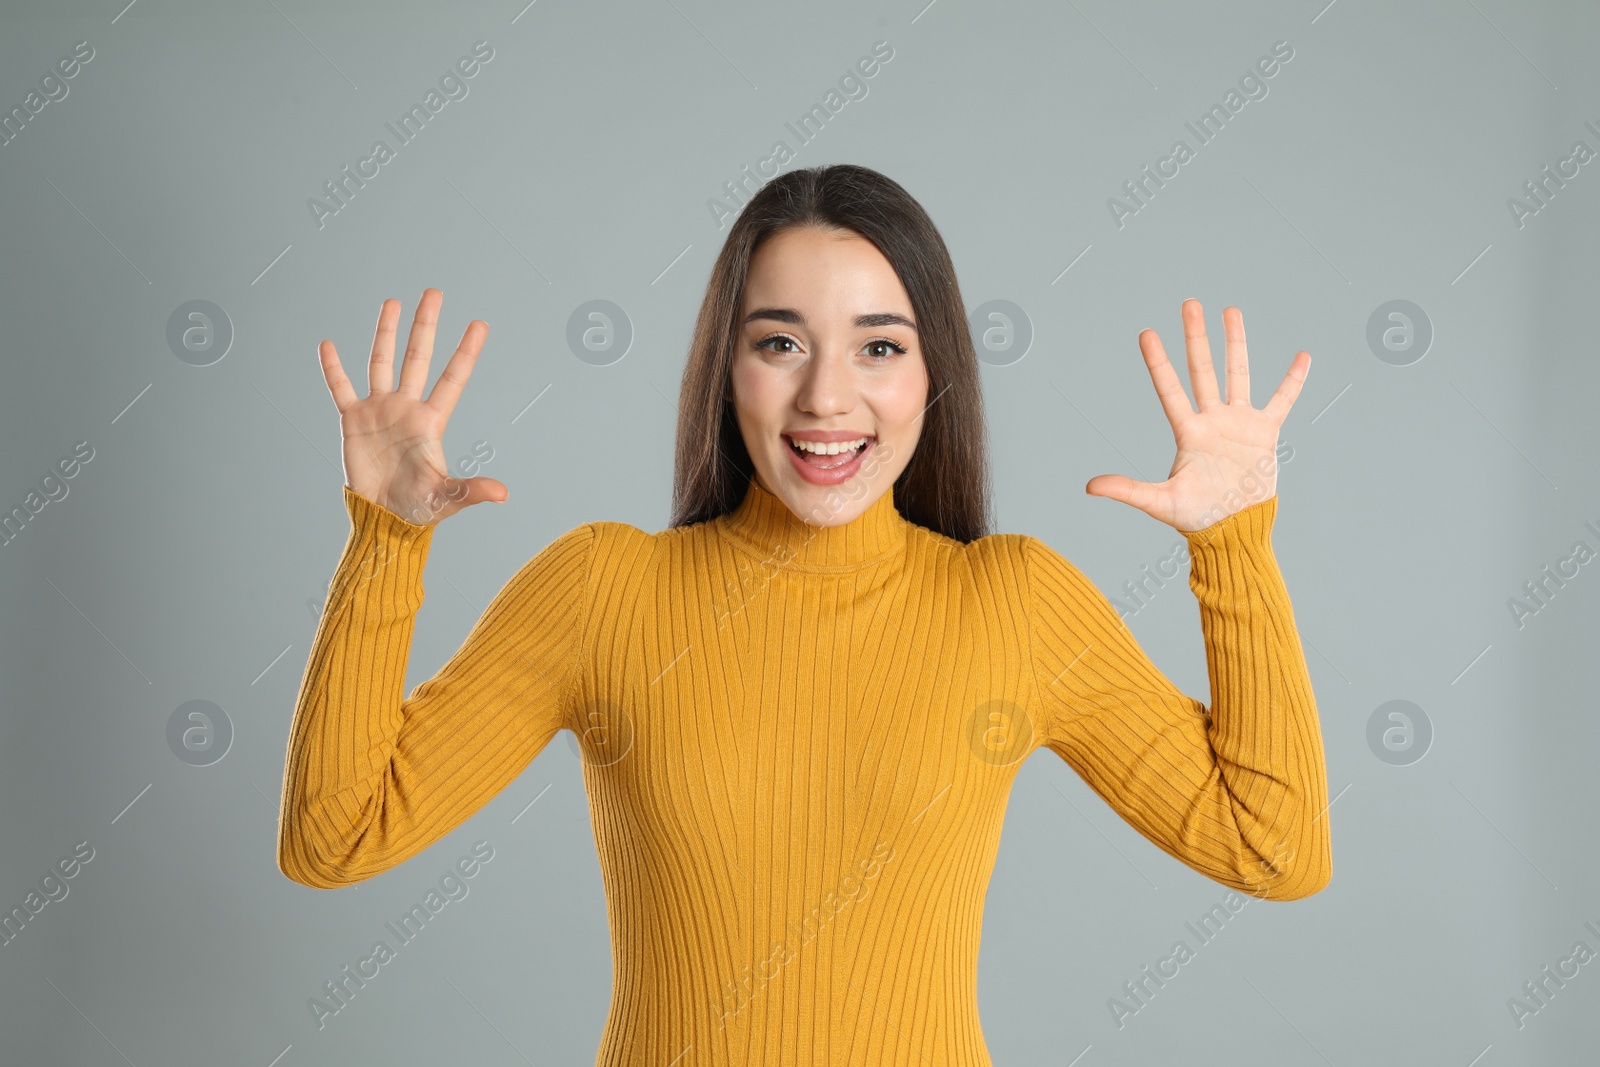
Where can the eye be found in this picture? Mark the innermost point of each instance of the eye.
(885, 341)
(768, 342)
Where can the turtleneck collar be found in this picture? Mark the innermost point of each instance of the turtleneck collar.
(764, 525)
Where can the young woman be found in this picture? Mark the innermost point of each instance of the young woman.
(801, 707)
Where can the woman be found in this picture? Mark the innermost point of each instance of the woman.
(801, 706)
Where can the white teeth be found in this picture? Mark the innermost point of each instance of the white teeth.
(831, 448)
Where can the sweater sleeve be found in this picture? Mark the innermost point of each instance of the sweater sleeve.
(1238, 791)
(371, 778)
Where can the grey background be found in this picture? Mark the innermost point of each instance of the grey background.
(186, 560)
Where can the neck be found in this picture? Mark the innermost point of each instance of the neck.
(764, 525)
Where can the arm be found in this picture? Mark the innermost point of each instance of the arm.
(372, 778)
(1237, 792)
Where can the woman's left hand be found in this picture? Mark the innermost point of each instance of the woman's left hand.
(1227, 451)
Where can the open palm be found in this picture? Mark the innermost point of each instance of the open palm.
(1227, 451)
(393, 438)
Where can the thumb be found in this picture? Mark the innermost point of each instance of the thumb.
(1141, 495)
(482, 489)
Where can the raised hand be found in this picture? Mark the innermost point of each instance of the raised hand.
(1227, 451)
(393, 439)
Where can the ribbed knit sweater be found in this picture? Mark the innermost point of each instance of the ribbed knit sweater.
(798, 743)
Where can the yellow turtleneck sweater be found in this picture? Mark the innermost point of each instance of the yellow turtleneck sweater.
(798, 744)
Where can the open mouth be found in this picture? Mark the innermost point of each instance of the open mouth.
(822, 457)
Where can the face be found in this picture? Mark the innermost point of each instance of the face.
(827, 355)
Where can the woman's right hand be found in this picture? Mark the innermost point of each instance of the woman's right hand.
(393, 439)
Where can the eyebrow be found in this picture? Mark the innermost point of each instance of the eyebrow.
(794, 318)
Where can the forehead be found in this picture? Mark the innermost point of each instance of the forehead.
(821, 272)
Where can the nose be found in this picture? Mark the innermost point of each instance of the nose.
(827, 385)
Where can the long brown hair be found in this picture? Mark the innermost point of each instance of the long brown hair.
(945, 486)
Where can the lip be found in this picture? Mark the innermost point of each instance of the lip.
(835, 475)
(825, 436)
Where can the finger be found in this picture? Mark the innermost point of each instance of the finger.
(1283, 398)
(455, 374)
(1202, 375)
(419, 346)
(1238, 363)
(339, 386)
(1145, 496)
(380, 370)
(1174, 401)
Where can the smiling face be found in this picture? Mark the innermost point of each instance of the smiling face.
(827, 356)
